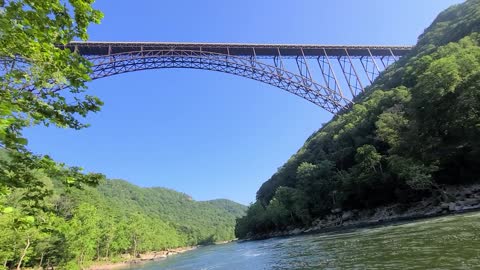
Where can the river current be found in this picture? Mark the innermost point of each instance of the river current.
(451, 242)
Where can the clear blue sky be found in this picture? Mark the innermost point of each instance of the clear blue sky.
(207, 134)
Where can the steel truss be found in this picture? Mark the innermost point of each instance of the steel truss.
(288, 67)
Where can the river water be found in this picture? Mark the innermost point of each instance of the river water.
(451, 242)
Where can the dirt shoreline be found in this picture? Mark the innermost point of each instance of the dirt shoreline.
(142, 258)
(462, 199)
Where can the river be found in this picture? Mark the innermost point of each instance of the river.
(451, 242)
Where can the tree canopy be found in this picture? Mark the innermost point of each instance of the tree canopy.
(55, 215)
(416, 128)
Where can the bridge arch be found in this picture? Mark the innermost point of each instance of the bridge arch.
(146, 60)
(260, 62)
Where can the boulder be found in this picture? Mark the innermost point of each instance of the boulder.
(451, 206)
(336, 210)
(296, 231)
(471, 201)
(330, 217)
(347, 215)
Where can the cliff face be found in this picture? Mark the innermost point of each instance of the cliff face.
(416, 129)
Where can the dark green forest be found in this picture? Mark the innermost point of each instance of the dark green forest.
(416, 129)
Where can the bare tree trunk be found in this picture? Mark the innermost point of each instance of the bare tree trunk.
(41, 260)
(440, 190)
(108, 249)
(135, 247)
(23, 254)
(334, 201)
(80, 263)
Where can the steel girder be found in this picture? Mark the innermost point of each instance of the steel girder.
(288, 67)
(299, 85)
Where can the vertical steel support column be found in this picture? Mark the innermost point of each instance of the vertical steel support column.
(109, 55)
(303, 68)
(227, 57)
(277, 59)
(387, 63)
(354, 88)
(391, 52)
(253, 59)
(328, 73)
(373, 60)
(111, 58)
(365, 68)
(278, 62)
(383, 63)
(373, 71)
(395, 58)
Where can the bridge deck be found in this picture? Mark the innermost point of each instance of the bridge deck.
(93, 48)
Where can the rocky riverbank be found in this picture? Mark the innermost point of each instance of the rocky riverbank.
(457, 199)
(129, 260)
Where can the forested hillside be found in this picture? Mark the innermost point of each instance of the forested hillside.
(78, 226)
(57, 216)
(197, 222)
(415, 129)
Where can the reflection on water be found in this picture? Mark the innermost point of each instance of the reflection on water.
(442, 243)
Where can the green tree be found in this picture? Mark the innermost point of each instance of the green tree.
(413, 130)
(34, 67)
(413, 173)
(296, 202)
(315, 180)
(82, 233)
(390, 126)
(368, 158)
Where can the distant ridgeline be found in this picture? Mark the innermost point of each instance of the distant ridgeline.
(170, 218)
(416, 128)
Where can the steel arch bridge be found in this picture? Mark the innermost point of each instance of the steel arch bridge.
(308, 71)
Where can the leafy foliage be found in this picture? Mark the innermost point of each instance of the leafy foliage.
(73, 227)
(415, 129)
(49, 213)
(33, 67)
